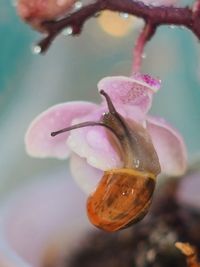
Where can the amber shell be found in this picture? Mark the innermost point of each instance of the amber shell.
(122, 198)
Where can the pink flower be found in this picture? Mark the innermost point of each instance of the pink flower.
(36, 11)
(91, 149)
(39, 226)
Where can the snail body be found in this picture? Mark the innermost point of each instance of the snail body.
(123, 196)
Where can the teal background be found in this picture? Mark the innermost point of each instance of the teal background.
(71, 69)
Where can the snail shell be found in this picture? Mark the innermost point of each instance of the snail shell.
(122, 197)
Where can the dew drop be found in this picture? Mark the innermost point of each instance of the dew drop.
(137, 163)
(144, 55)
(67, 31)
(124, 15)
(153, 4)
(144, 124)
(97, 14)
(78, 5)
(36, 49)
(172, 26)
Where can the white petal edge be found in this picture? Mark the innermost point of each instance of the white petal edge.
(86, 176)
(169, 145)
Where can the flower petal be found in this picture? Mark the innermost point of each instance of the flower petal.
(36, 11)
(169, 146)
(134, 91)
(95, 144)
(44, 219)
(188, 191)
(86, 176)
(8, 257)
(39, 142)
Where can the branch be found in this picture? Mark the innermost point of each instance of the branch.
(156, 15)
(75, 20)
(196, 9)
(146, 34)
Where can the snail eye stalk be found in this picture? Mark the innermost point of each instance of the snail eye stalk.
(77, 126)
(109, 102)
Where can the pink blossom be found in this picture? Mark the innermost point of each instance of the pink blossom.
(36, 11)
(91, 149)
(39, 226)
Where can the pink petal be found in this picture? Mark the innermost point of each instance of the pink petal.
(169, 146)
(8, 257)
(47, 215)
(188, 190)
(86, 176)
(95, 144)
(133, 91)
(39, 142)
(36, 11)
(149, 81)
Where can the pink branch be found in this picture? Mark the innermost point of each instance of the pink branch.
(146, 34)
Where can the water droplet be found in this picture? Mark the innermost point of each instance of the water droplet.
(144, 124)
(144, 55)
(137, 163)
(67, 31)
(124, 15)
(78, 5)
(97, 14)
(36, 49)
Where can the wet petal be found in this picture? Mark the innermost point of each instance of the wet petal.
(39, 142)
(134, 91)
(86, 176)
(44, 216)
(95, 144)
(169, 146)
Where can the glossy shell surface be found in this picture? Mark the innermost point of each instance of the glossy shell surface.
(121, 198)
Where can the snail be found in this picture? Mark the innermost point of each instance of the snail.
(123, 196)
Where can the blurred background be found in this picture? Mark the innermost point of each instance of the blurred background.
(71, 69)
